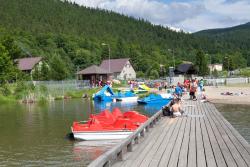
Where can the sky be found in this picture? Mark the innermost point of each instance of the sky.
(188, 15)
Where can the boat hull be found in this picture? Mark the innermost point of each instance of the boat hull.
(154, 101)
(105, 135)
(103, 98)
(127, 99)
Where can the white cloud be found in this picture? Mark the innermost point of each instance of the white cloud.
(192, 15)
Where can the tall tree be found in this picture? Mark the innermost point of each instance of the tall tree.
(201, 63)
(82, 58)
(58, 68)
(12, 47)
(120, 49)
(45, 71)
(8, 70)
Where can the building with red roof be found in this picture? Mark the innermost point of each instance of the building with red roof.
(27, 64)
(119, 68)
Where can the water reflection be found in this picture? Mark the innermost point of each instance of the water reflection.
(35, 134)
(148, 109)
(89, 150)
(238, 116)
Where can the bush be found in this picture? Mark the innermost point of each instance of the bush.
(154, 74)
(5, 90)
(245, 72)
(140, 74)
(23, 89)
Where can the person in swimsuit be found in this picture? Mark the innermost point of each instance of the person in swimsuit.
(176, 108)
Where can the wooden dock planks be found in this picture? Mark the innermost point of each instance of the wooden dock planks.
(202, 139)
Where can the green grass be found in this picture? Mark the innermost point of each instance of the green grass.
(80, 93)
(7, 99)
(41, 93)
(59, 98)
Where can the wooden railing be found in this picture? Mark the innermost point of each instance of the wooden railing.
(116, 153)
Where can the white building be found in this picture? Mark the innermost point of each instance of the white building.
(120, 68)
(217, 67)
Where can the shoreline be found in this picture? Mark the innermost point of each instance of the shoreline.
(240, 95)
(221, 101)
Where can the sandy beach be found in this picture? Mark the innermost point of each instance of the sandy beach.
(240, 94)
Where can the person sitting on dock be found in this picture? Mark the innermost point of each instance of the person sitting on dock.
(176, 108)
(204, 96)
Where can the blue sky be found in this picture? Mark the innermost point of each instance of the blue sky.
(188, 15)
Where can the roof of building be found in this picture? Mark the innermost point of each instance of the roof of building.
(94, 69)
(116, 65)
(27, 63)
(186, 68)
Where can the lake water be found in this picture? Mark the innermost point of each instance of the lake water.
(238, 116)
(35, 135)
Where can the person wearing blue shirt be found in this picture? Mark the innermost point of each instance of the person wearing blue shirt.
(201, 84)
(178, 91)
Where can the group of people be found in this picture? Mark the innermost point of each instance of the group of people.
(196, 91)
(100, 83)
(195, 88)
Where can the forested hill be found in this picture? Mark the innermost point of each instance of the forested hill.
(70, 37)
(225, 31)
(232, 38)
(54, 16)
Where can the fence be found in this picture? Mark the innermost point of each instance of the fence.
(236, 80)
(58, 88)
(215, 82)
(226, 81)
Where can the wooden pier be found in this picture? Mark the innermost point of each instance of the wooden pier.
(202, 139)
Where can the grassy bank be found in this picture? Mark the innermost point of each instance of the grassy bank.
(27, 92)
(81, 93)
(7, 99)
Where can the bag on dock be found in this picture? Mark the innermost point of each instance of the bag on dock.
(166, 111)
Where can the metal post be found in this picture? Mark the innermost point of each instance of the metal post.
(109, 58)
(172, 51)
(173, 58)
(210, 66)
(227, 65)
(104, 44)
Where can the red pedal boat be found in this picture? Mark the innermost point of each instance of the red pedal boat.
(108, 126)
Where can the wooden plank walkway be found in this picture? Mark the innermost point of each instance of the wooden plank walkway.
(203, 138)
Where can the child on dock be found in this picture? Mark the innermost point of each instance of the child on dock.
(204, 96)
(176, 108)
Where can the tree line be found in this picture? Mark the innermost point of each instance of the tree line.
(69, 38)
